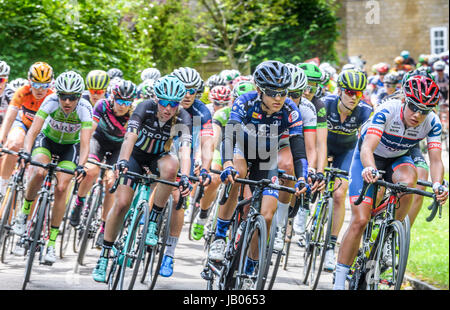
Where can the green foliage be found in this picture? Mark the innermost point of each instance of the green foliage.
(311, 34)
(69, 35)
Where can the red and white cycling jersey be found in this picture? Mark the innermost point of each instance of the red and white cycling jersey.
(396, 138)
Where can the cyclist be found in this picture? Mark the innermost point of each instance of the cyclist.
(66, 122)
(147, 142)
(407, 59)
(219, 97)
(6, 92)
(15, 125)
(384, 143)
(150, 74)
(96, 84)
(314, 75)
(442, 79)
(390, 86)
(202, 140)
(115, 72)
(252, 114)
(18, 83)
(346, 113)
(109, 126)
(145, 91)
(285, 163)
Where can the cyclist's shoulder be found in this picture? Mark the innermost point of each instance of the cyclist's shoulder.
(308, 104)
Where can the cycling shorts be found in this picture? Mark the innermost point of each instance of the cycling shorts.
(19, 124)
(68, 153)
(390, 165)
(97, 151)
(417, 157)
(137, 161)
(217, 158)
(342, 160)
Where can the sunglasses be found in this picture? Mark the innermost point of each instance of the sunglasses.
(391, 85)
(71, 97)
(311, 89)
(165, 103)
(123, 102)
(295, 94)
(220, 103)
(191, 91)
(2, 80)
(352, 93)
(97, 91)
(414, 108)
(274, 93)
(40, 85)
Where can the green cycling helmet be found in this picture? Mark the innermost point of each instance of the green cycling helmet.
(312, 71)
(423, 71)
(243, 87)
(352, 80)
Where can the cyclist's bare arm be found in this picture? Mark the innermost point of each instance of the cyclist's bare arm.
(33, 132)
(368, 147)
(185, 159)
(10, 116)
(207, 147)
(437, 171)
(85, 137)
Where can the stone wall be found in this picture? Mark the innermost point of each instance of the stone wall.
(400, 25)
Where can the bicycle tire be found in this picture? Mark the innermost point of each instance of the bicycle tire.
(276, 266)
(407, 226)
(288, 243)
(258, 224)
(157, 253)
(311, 246)
(94, 196)
(66, 231)
(195, 210)
(136, 248)
(7, 246)
(269, 252)
(7, 204)
(326, 219)
(397, 230)
(36, 233)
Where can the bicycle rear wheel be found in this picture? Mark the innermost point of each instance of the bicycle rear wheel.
(323, 240)
(195, 204)
(9, 205)
(67, 231)
(93, 204)
(273, 259)
(289, 230)
(388, 259)
(256, 234)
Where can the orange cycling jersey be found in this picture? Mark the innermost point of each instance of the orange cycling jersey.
(23, 98)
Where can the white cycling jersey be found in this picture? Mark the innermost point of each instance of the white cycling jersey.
(396, 138)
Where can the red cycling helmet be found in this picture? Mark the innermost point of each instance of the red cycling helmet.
(382, 68)
(421, 91)
(220, 93)
(240, 79)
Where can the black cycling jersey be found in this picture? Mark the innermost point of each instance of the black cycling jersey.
(154, 137)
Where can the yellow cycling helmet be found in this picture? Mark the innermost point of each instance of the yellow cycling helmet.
(97, 79)
(40, 72)
(352, 79)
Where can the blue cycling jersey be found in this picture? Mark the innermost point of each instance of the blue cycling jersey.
(247, 110)
(201, 122)
(343, 136)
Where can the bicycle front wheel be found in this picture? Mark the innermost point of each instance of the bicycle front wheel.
(9, 204)
(253, 255)
(388, 258)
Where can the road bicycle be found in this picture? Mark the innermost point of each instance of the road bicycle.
(129, 249)
(382, 258)
(91, 217)
(318, 231)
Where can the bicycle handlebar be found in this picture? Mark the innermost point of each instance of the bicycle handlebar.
(401, 188)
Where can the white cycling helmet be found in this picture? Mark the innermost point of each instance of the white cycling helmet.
(189, 76)
(18, 83)
(150, 74)
(439, 65)
(4, 68)
(69, 82)
(299, 79)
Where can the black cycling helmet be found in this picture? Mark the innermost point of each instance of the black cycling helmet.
(272, 74)
(125, 90)
(114, 72)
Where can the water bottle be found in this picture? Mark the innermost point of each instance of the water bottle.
(239, 232)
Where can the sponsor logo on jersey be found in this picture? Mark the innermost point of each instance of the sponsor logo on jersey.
(256, 115)
(293, 116)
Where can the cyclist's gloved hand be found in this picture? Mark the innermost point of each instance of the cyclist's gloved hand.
(301, 187)
(227, 172)
(80, 171)
(185, 185)
(370, 174)
(441, 191)
(121, 165)
(206, 177)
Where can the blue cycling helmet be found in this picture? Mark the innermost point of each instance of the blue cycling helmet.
(272, 74)
(169, 87)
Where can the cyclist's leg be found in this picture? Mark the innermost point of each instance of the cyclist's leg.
(358, 222)
(422, 173)
(404, 171)
(285, 163)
